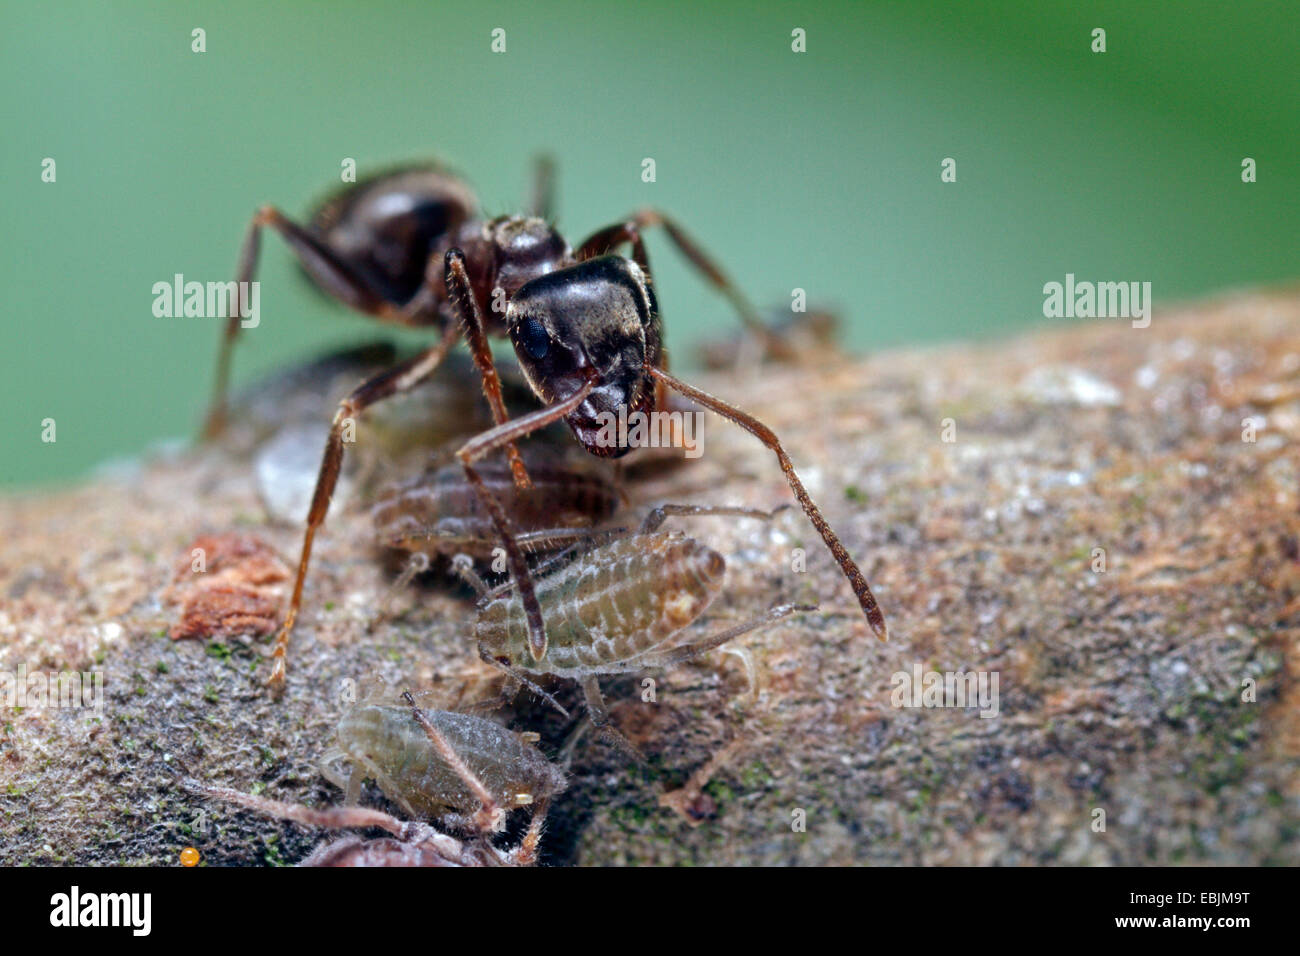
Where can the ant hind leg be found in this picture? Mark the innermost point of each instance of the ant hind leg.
(324, 266)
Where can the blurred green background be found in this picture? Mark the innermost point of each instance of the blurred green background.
(817, 170)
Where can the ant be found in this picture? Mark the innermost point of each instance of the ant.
(584, 325)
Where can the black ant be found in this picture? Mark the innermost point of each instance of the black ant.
(584, 325)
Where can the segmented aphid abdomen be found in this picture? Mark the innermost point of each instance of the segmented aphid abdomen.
(609, 606)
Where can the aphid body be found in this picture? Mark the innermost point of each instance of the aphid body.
(619, 607)
(616, 608)
(442, 513)
(387, 745)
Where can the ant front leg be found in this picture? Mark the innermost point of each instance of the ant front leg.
(526, 853)
(332, 818)
(861, 589)
(399, 378)
(611, 237)
(500, 437)
(490, 815)
(461, 294)
(333, 275)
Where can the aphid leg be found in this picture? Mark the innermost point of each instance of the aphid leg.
(462, 565)
(532, 540)
(399, 378)
(599, 717)
(481, 445)
(461, 295)
(330, 772)
(630, 231)
(620, 473)
(662, 513)
(352, 792)
(684, 652)
(526, 853)
(543, 204)
(565, 756)
(416, 565)
(751, 672)
(489, 816)
(509, 671)
(319, 261)
(768, 437)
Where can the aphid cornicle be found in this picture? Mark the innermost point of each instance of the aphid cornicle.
(463, 771)
(619, 607)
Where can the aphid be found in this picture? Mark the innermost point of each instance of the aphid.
(584, 324)
(422, 764)
(620, 607)
(422, 760)
(440, 512)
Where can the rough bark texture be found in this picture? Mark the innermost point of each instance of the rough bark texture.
(1124, 690)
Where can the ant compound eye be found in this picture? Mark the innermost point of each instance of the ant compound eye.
(533, 337)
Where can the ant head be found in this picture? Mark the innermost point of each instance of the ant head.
(525, 248)
(597, 319)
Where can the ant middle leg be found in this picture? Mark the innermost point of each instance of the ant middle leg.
(490, 815)
(399, 378)
(630, 231)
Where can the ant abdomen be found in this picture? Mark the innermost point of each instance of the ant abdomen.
(387, 226)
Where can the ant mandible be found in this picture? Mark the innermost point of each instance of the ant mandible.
(584, 325)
